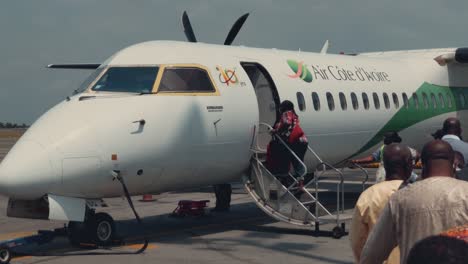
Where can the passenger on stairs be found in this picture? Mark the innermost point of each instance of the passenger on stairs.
(398, 167)
(289, 130)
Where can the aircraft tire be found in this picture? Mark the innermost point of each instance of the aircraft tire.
(337, 232)
(5, 256)
(102, 229)
(78, 234)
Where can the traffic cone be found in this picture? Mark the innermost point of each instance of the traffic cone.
(147, 198)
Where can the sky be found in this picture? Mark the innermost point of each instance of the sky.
(36, 33)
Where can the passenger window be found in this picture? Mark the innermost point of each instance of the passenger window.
(434, 101)
(331, 101)
(395, 100)
(301, 101)
(449, 101)
(442, 101)
(316, 101)
(365, 101)
(425, 101)
(386, 100)
(344, 104)
(354, 101)
(462, 100)
(185, 79)
(127, 79)
(405, 100)
(376, 101)
(416, 101)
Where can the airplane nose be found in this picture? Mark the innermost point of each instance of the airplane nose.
(26, 171)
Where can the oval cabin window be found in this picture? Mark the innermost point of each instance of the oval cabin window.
(301, 101)
(376, 101)
(365, 101)
(316, 101)
(354, 101)
(344, 104)
(395, 100)
(330, 101)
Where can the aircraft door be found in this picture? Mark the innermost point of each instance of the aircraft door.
(267, 98)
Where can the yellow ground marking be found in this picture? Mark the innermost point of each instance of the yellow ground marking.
(16, 235)
(138, 246)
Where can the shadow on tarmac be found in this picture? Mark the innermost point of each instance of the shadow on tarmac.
(188, 230)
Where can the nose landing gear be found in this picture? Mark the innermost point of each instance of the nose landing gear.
(98, 229)
(5, 256)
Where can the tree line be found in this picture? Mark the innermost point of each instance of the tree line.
(12, 125)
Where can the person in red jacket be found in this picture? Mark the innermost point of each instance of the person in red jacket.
(288, 128)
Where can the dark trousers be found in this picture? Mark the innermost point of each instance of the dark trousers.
(223, 195)
(300, 149)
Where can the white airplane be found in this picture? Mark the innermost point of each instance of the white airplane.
(166, 116)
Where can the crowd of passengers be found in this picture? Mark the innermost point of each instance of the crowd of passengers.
(423, 219)
(404, 217)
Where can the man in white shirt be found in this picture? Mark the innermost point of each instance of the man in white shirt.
(398, 166)
(452, 131)
(428, 207)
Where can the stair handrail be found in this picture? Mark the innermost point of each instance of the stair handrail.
(339, 190)
(361, 168)
(288, 148)
(315, 154)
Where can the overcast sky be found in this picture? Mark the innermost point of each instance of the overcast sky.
(36, 33)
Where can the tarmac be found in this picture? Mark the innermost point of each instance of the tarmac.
(243, 235)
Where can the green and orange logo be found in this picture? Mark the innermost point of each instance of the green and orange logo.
(300, 71)
(227, 76)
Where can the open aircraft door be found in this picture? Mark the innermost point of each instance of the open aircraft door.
(267, 99)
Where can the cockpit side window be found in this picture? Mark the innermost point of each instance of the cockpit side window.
(91, 78)
(127, 79)
(185, 80)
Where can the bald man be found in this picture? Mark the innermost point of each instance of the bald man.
(427, 207)
(452, 131)
(398, 163)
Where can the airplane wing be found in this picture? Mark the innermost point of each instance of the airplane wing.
(78, 66)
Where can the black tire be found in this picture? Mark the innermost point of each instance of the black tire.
(337, 232)
(78, 234)
(5, 256)
(103, 229)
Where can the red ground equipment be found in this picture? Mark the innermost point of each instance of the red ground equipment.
(190, 208)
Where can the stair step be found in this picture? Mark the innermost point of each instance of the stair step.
(333, 217)
(345, 182)
(312, 190)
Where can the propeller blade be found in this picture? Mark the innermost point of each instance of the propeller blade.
(188, 30)
(235, 29)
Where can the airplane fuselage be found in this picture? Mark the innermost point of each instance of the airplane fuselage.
(164, 141)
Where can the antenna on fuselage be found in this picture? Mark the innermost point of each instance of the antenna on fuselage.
(188, 30)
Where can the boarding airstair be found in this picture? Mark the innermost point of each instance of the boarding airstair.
(294, 204)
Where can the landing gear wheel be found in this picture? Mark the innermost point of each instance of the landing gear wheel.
(103, 229)
(338, 232)
(78, 235)
(5, 256)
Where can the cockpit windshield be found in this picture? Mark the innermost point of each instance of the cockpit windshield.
(127, 79)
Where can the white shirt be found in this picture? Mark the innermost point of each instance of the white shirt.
(450, 137)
